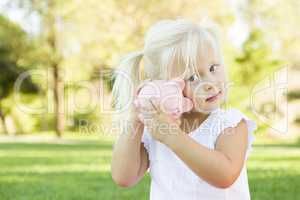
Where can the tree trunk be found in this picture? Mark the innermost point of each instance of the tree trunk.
(58, 101)
(2, 118)
(55, 61)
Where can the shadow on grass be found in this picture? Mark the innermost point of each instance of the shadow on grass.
(45, 155)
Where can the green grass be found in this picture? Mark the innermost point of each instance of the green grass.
(274, 172)
(80, 171)
(61, 172)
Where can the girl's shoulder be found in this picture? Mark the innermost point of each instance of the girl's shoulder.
(231, 117)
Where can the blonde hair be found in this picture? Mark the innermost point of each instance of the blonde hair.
(166, 42)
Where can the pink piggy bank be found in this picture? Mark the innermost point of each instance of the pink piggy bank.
(165, 95)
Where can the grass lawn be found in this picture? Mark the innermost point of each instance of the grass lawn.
(80, 171)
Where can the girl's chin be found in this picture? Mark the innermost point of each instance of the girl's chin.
(208, 104)
(207, 107)
(205, 110)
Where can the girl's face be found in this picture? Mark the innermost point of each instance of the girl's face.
(206, 87)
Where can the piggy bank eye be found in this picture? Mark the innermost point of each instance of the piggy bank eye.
(193, 78)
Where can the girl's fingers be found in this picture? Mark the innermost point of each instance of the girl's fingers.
(136, 104)
(154, 106)
(150, 107)
(148, 114)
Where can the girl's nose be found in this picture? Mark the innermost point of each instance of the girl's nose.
(208, 86)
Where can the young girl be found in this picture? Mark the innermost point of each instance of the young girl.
(204, 156)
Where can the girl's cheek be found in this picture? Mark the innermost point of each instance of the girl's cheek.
(188, 91)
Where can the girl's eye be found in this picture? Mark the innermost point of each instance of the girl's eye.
(213, 68)
(193, 78)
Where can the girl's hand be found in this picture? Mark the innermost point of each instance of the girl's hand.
(133, 113)
(134, 108)
(162, 126)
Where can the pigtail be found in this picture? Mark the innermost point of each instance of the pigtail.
(126, 78)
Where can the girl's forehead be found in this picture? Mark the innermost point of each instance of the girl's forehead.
(184, 66)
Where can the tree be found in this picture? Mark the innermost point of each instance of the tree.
(82, 37)
(256, 58)
(13, 44)
(48, 38)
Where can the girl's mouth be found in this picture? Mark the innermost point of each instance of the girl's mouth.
(214, 97)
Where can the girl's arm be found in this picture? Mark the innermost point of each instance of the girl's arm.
(219, 167)
(129, 158)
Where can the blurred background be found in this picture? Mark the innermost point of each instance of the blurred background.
(56, 62)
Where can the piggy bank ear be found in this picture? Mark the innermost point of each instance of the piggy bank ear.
(179, 82)
(139, 87)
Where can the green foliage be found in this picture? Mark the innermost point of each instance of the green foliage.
(83, 120)
(13, 46)
(90, 36)
(293, 95)
(255, 60)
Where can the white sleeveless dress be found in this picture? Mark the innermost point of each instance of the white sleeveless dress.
(172, 179)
